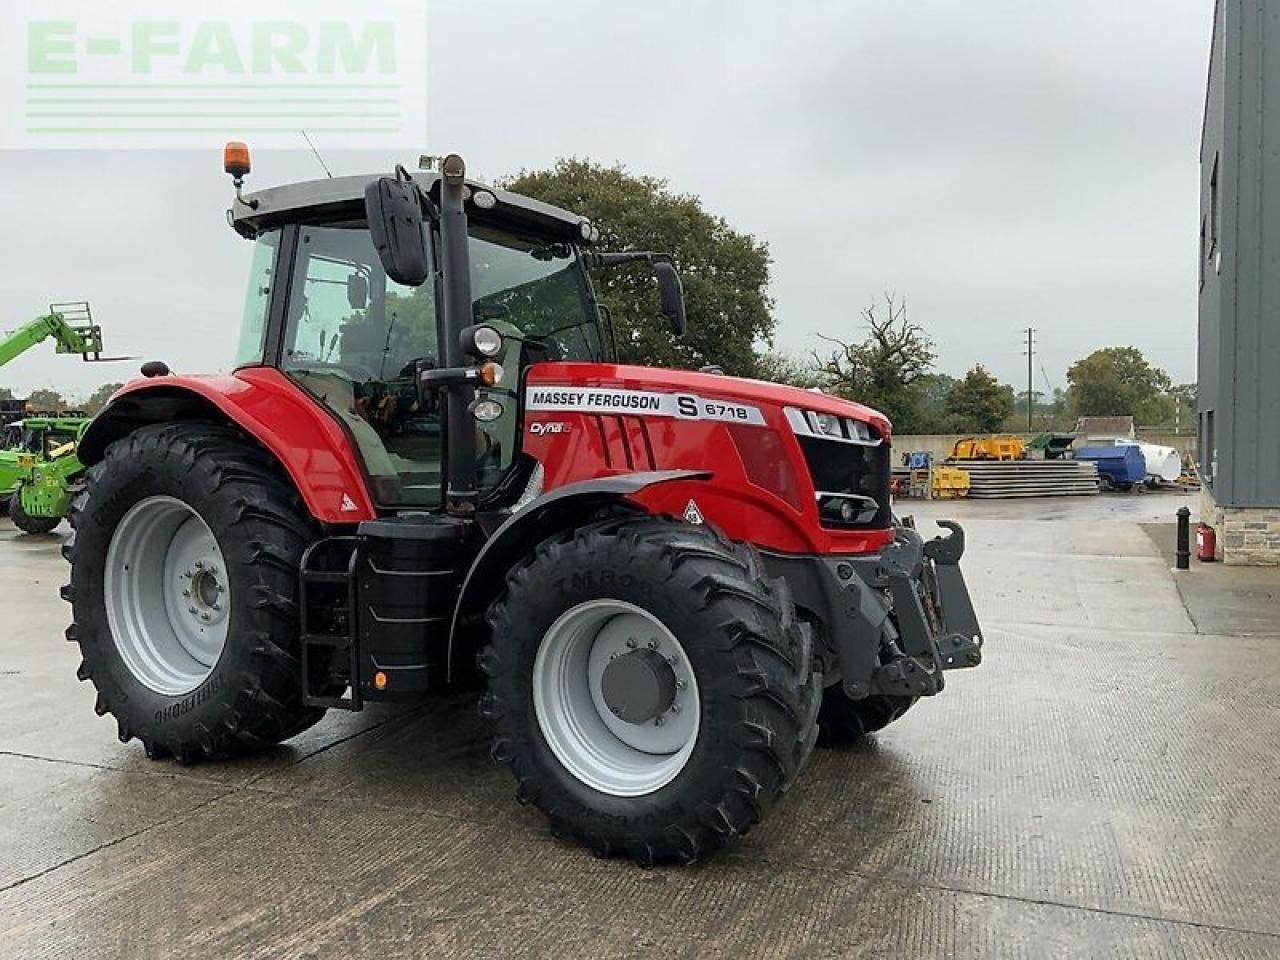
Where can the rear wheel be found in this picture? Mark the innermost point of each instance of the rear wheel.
(651, 689)
(25, 521)
(184, 588)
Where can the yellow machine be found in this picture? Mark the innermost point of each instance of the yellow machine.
(989, 448)
(949, 483)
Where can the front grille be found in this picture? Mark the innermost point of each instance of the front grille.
(840, 467)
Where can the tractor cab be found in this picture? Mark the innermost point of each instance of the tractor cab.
(322, 308)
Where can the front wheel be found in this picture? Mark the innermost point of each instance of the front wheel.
(844, 720)
(651, 689)
(184, 589)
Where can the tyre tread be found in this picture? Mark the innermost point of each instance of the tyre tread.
(774, 681)
(263, 706)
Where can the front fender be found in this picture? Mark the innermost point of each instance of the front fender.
(308, 443)
(563, 507)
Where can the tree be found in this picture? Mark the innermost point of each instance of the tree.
(885, 370)
(725, 272)
(783, 368)
(1118, 381)
(46, 401)
(1048, 409)
(98, 399)
(934, 391)
(979, 403)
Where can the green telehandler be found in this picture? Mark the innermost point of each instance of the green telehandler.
(39, 469)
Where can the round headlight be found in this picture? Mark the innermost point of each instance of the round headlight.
(486, 411)
(487, 341)
(484, 199)
(585, 229)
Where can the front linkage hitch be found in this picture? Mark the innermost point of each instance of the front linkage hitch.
(897, 619)
(936, 624)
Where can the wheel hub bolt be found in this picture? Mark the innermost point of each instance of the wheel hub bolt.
(631, 643)
(675, 708)
(679, 684)
(653, 644)
(191, 609)
(657, 721)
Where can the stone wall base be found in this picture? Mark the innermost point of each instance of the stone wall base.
(1247, 536)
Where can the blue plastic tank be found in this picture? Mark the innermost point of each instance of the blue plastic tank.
(1123, 466)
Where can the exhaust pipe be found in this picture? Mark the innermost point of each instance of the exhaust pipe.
(460, 453)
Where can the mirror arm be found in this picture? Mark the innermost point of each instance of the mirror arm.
(455, 259)
(618, 259)
(436, 377)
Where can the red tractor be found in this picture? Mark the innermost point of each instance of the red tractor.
(427, 474)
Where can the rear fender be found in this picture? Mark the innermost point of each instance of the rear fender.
(561, 509)
(308, 443)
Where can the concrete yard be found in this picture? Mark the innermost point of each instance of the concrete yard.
(1105, 784)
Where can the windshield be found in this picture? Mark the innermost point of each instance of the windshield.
(534, 291)
(355, 340)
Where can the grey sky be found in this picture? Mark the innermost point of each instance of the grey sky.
(1001, 164)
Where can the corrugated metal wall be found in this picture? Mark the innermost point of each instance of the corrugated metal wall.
(1239, 354)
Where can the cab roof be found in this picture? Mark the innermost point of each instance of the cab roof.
(313, 199)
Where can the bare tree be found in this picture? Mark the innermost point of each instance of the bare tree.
(881, 370)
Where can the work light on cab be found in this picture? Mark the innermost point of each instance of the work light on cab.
(482, 341)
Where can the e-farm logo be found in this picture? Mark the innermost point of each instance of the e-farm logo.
(183, 75)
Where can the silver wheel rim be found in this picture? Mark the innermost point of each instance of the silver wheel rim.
(167, 595)
(598, 747)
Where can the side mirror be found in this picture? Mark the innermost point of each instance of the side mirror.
(671, 295)
(393, 208)
(357, 291)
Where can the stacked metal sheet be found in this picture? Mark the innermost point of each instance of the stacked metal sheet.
(1001, 479)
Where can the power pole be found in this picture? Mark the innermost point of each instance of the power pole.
(1030, 395)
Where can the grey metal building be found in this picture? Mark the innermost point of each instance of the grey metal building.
(1239, 333)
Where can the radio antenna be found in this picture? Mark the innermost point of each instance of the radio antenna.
(327, 171)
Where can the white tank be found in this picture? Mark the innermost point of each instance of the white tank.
(1163, 463)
